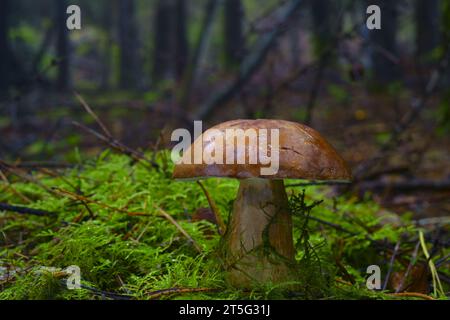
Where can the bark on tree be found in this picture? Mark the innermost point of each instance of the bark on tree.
(322, 17)
(5, 54)
(129, 45)
(250, 64)
(234, 38)
(190, 76)
(384, 43)
(163, 54)
(427, 27)
(181, 42)
(106, 66)
(62, 46)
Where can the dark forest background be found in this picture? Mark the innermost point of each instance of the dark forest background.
(146, 67)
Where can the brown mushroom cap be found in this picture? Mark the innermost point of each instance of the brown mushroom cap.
(303, 154)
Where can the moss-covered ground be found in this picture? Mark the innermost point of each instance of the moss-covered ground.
(106, 215)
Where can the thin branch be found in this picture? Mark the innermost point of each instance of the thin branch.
(84, 199)
(411, 294)
(93, 115)
(410, 265)
(317, 183)
(25, 210)
(250, 64)
(158, 293)
(214, 209)
(391, 264)
(117, 145)
(180, 228)
(18, 172)
(414, 184)
(163, 213)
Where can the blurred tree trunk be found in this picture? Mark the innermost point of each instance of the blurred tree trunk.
(129, 45)
(5, 53)
(190, 77)
(107, 21)
(322, 12)
(294, 41)
(427, 28)
(234, 38)
(384, 43)
(181, 42)
(163, 53)
(62, 46)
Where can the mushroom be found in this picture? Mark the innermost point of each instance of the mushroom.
(258, 243)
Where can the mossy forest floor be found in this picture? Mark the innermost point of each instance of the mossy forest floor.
(108, 215)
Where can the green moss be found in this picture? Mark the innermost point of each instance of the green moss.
(136, 255)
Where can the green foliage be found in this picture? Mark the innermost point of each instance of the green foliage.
(135, 255)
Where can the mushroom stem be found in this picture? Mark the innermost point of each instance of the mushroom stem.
(259, 245)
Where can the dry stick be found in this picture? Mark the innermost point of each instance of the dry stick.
(108, 136)
(408, 270)
(215, 210)
(391, 264)
(104, 205)
(250, 64)
(333, 225)
(117, 145)
(25, 210)
(111, 295)
(78, 190)
(162, 213)
(400, 294)
(180, 228)
(43, 164)
(411, 294)
(16, 171)
(413, 184)
(93, 115)
(10, 186)
(317, 183)
(158, 293)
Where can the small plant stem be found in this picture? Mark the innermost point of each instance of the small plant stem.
(180, 228)
(215, 210)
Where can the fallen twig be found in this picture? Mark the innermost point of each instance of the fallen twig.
(25, 210)
(117, 145)
(84, 199)
(391, 264)
(214, 209)
(158, 293)
(93, 115)
(18, 172)
(180, 228)
(413, 184)
(409, 268)
(411, 294)
(318, 183)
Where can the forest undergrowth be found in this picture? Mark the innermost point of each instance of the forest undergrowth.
(135, 233)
